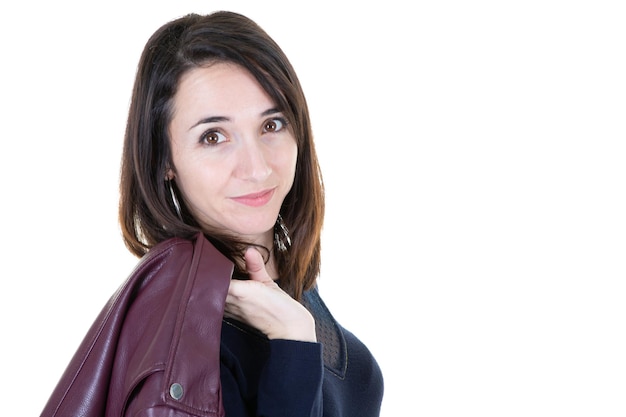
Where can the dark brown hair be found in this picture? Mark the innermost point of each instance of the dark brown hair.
(147, 214)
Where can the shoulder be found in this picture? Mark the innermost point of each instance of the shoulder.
(180, 288)
(170, 253)
(353, 380)
(329, 333)
(147, 322)
(176, 262)
(339, 343)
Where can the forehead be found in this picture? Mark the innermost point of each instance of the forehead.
(221, 84)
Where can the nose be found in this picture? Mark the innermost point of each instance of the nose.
(252, 163)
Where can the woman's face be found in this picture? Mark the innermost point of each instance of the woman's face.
(234, 156)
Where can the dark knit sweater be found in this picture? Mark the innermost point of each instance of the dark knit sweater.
(338, 376)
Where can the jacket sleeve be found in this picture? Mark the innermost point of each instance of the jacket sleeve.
(290, 383)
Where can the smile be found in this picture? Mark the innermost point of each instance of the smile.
(255, 199)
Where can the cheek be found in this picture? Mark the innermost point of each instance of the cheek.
(291, 158)
(288, 163)
(198, 186)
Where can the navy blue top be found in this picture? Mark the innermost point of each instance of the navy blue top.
(262, 377)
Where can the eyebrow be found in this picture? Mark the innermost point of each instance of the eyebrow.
(216, 119)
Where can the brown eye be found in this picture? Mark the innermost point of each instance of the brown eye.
(274, 125)
(212, 137)
(270, 126)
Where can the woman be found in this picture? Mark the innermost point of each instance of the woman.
(219, 180)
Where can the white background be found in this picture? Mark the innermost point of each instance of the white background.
(474, 160)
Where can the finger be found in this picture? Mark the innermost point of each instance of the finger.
(255, 265)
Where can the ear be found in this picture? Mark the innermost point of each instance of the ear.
(169, 174)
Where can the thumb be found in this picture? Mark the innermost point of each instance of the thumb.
(255, 266)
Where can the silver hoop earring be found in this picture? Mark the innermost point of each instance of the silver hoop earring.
(282, 241)
(174, 199)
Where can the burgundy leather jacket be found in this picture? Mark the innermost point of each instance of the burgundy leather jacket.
(170, 308)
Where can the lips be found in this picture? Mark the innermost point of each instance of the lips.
(255, 199)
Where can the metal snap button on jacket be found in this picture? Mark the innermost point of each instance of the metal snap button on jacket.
(176, 391)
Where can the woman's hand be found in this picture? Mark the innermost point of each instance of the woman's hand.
(262, 304)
